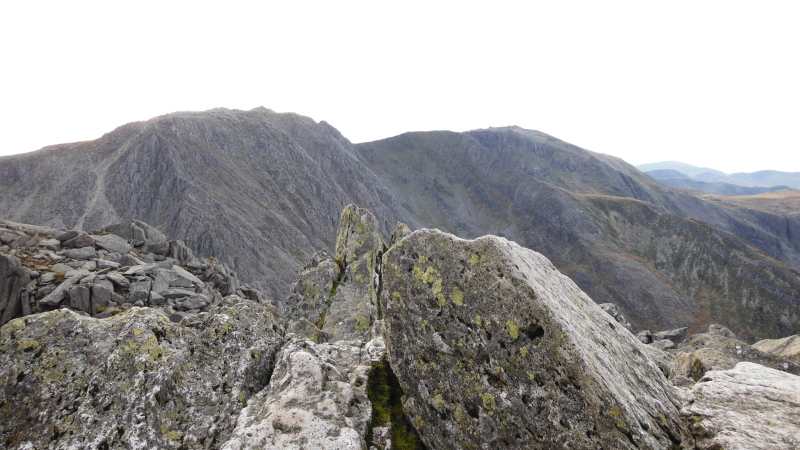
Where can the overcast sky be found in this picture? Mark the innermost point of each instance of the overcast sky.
(710, 83)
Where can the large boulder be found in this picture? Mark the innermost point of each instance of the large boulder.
(14, 279)
(497, 349)
(135, 380)
(747, 407)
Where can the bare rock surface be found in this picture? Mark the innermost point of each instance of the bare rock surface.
(136, 380)
(317, 398)
(744, 408)
(496, 349)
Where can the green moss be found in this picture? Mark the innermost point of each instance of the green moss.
(386, 396)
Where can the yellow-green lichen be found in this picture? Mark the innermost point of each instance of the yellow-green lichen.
(457, 297)
(28, 345)
(438, 401)
(362, 323)
(614, 412)
(488, 401)
(523, 351)
(513, 329)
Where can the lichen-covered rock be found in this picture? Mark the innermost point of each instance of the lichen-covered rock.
(787, 348)
(496, 349)
(135, 380)
(310, 296)
(317, 399)
(747, 407)
(354, 305)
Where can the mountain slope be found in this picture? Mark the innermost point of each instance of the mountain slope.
(262, 190)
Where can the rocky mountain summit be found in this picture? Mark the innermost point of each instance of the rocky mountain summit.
(424, 340)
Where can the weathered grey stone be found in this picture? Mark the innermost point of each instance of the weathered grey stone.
(663, 360)
(354, 305)
(677, 335)
(8, 237)
(80, 254)
(127, 260)
(101, 295)
(141, 269)
(721, 330)
(107, 264)
(55, 297)
(67, 235)
(80, 298)
(183, 274)
(645, 337)
(119, 279)
(113, 243)
(530, 360)
(179, 251)
(747, 407)
(196, 301)
(316, 399)
(140, 291)
(14, 279)
(663, 344)
(77, 272)
(50, 244)
(161, 279)
(176, 293)
(307, 302)
(59, 268)
(157, 248)
(613, 311)
(79, 241)
(400, 231)
(134, 379)
(156, 299)
(787, 348)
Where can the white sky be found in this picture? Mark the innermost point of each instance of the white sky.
(710, 83)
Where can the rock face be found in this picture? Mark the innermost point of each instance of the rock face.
(496, 349)
(747, 407)
(135, 380)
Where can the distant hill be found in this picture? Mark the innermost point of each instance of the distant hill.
(771, 179)
(684, 168)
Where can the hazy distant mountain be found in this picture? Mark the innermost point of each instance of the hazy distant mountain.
(684, 168)
(262, 191)
(674, 178)
(772, 179)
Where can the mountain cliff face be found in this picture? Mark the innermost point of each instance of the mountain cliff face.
(262, 190)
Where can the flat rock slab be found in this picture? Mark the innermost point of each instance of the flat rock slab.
(787, 348)
(497, 349)
(747, 407)
(80, 254)
(113, 243)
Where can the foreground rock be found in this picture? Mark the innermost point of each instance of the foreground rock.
(136, 380)
(747, 407)
(496, 349)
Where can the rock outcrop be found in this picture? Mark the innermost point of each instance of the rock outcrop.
(102, 274)
(787, 348)
(496, 349)
(747, 407)
(134, 380)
